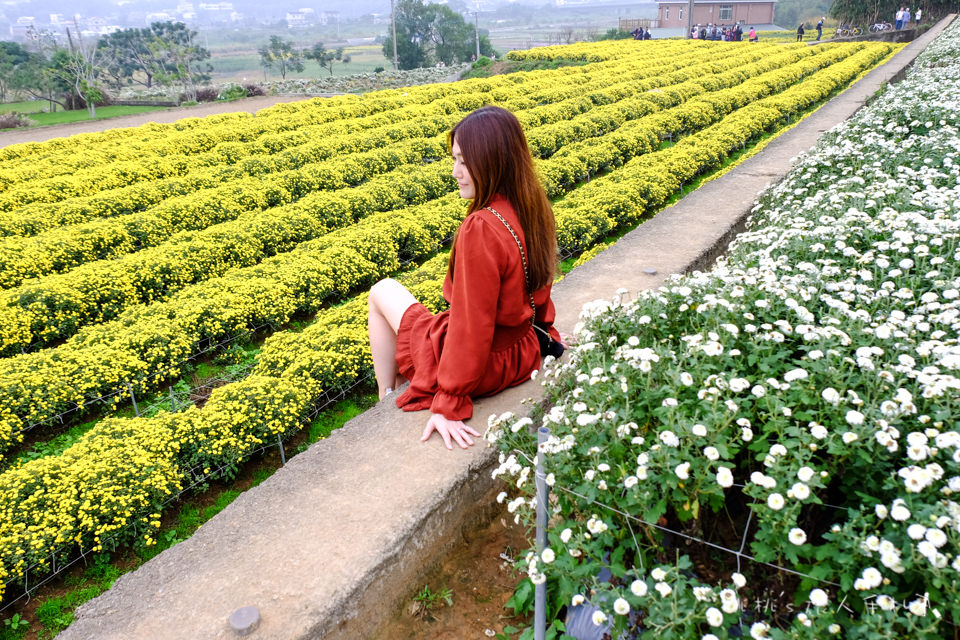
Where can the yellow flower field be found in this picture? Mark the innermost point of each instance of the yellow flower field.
(124, 254)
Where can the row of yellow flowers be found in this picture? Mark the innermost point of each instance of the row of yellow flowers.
(271, 132)
(144, 340)
(252, 183)
(56, 306)
(132, 185)
(124, 469)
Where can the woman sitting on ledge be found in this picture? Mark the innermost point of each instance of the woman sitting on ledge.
(485, 342)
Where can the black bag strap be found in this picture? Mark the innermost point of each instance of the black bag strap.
(523, 259)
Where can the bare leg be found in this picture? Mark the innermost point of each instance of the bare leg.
(388, 301)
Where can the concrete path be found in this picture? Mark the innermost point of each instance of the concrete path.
(330, 544)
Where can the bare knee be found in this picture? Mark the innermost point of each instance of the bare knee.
(390, 299)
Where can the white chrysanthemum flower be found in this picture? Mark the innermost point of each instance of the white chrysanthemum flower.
(899, 512)
(739, 580)
(548, 555)
(577, 600)
(658, 574)
(795, 374)
(854, 417)
(918, 607)
(599, 617)
(805, 474)
(775, 501)
(638, 588)
(916, 531)
(818, 597)
(724, 477)
(800, 491)
(711, 453)
(621, 607)
(759, 630)
(885, 602)
(682, 470)
(663, 589)
(797, 536)
(565, 535)
(714, 617)
(699, 430)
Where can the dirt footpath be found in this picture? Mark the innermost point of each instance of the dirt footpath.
(39, 134)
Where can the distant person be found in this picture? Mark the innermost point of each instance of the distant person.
(703, 33)
(739, 33)
(800, 33)
(752, 35)
(917, 15)
(906, 17)
(694, 33)
(819, 28)
(646, 35)
(899, 23)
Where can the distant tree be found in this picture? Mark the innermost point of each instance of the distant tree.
(866, 11)
(325, 57)
(80, 67)
(12, 55)
(281, 55)
(176, 58)
(432, 33)
(36, 78)
(790, 13)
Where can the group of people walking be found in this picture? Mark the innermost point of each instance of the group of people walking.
(641, 34)
(801, 31)
(718, 32)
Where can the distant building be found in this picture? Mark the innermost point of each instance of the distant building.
(673, 13)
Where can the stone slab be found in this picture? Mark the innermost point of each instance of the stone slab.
(331, 543)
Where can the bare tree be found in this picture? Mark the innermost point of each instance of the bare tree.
(81, 66)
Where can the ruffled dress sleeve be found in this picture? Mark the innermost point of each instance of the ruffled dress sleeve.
(479, 262)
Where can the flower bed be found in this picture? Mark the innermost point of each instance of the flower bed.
(798, 399)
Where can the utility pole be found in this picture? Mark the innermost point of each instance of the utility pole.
(393, 20)
(689, 17)
(476, 28)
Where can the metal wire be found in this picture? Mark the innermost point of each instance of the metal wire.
(739, 554)
(198, 477)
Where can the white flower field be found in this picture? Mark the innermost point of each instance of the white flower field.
(797, 440)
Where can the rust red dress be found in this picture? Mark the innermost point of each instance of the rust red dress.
(484, 342)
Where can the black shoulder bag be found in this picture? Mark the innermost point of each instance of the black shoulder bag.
(548, 346)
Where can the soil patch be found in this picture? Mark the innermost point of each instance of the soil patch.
(479, 572)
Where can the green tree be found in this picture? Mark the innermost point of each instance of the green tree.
(432, 33)
(281, 55)
(36, 78)
(325, 57)
(868, 11)
(175, 58)
(12, 55)
(790, 13)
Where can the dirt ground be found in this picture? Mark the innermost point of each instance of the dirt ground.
(481, 581)
(39, 134)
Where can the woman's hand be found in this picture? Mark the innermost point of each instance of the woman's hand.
(448, 429)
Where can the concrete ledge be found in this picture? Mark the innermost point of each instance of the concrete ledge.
(329, 545)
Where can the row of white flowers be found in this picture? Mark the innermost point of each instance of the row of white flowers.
(812, 376)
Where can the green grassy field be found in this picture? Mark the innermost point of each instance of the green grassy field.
(241, 66)
(27, 106)
(61, 117)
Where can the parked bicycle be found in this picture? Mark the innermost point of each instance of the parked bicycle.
(881, 26)
(844, 31)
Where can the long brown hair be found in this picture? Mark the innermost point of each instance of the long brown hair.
(496, 154)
